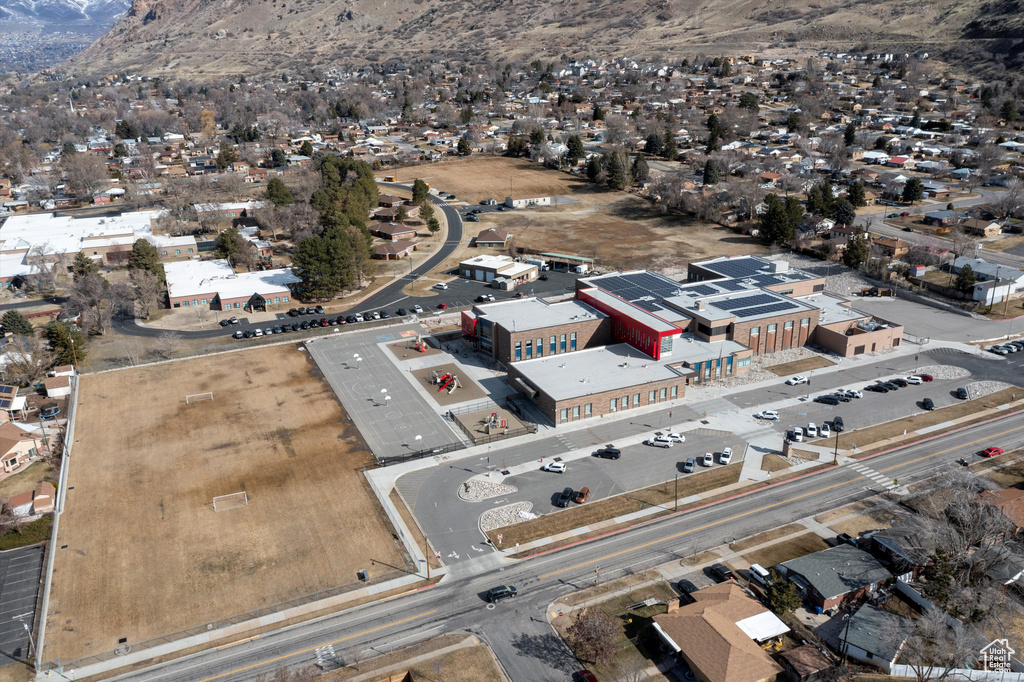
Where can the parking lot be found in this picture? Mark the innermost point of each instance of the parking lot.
(20, 570)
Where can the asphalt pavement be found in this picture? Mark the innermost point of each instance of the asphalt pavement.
(517, 629)
(20, 571)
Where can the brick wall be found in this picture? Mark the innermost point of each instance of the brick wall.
(769, 342)
(589, 333)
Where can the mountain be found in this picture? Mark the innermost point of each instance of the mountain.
(65, 14)
(206, 38)
(41, 33)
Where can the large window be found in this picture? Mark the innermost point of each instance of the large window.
(651, 397)
(674, 393)
(576, 412)
(529, 350)
(743, 362)
(624, 403)
(572, 341)
(772, 328)
(540, 348)
(588, 409)
(612, 404)
(636, 400)
(519, 350)
(561, 343)
(564, 414)
(663, 394)
(552, 341)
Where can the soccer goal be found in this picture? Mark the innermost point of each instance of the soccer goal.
(232, 501)
(196, 397)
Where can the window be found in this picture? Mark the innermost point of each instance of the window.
(576, 412)
(805, 322)
(190, 250)
(277, 299)
(561, 343)
(708, 366)
(529, 350)
(552, 345)
(674, 393)
(624, 402)
(237, 304)
(651, 397)
(519, 350)
(564, 414)
(611, 403)
(163, 253)
(663, 394)
(754, 331)
(572, 341)
(636, 400)
(588, 410)
(743, 362)
(203, 301)
(284, 299)
(177, 252)
(540, 347)
(185, 303)
(772, 328)
(788, 325)
(819, 287)
(728, 366)
(177, 305)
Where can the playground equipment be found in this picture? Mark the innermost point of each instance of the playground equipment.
(444, 381)
(454, 384)
(418, 344)
(495, 424)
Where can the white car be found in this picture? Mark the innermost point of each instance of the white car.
(812, 430)
(793, 381)
(851, 393)
(824, 431)
(708, 459)
(798, 434)
(675, 437)
(658, 442)
(258, 332)
(441, 285)
(912, 380)
(555, 467)
(768, 415)
(726, 456)
(417, 308)
(359, 317)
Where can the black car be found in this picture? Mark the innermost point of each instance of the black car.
(225, 323)
(877, 388)
(402, 312)
(319, 310)
(609, 453)
(278, 329)
(902, 383)
(496, 594)
(961, 393)
(891, 386)
(305, 324)
(722, 572)
(827, 399)
(300, 311)
(928, 404)
(565, 498)
(837, 425)
(249, 334)
(543, 278)
(351, 319)
(293, 312)
(384, 314)
(688, 465)
(471, 218)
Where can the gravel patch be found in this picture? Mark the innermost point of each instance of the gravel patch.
(476, 490)
(506, 516)
(944, 371)
(840, 279)
(980, 389)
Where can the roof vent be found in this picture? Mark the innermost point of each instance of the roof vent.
(701, 305)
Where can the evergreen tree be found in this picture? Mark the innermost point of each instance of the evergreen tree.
(594, 168)
(618, 178)
(575, 145)
(306, 149)
(856, 194)
(965, 279)
(714, 143)
(715, 126)
(427, 212)
(464, 147)
(748, 100)
(843, 212)
(144, 256)
(1008, 111)
(278, 193)
(850, 134)
(434, 225)
(856, 251)
(640, 171)
(653, 145)
(913, 190)
(710, 176)
(915, 120)
(793, 122)
(420, 192)
(226, 156)
(598, 113)
(228, 243)
(16, 323)
(775, 226)
(83, 266)
(67, 342)
(670, 150)
(780, 595)
(794, 213)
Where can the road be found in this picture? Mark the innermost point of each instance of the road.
(517, 630)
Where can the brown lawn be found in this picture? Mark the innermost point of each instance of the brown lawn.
(798, 366)
(148, 556)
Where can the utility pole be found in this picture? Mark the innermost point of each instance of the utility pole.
(426, 554)
(677, 493)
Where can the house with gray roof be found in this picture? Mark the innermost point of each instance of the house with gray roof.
(871, 636)
(833, 576)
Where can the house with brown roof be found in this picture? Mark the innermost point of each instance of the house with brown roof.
(394, 250)
(33, 502)
(982, 228)
(494, 236)
(1010, 502)
(719, 635)
(890, 247)
(57, 387)
(393, 232)
(17, 446)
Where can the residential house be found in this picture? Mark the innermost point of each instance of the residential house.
(494, 236)
(529, 201)
(394, 250)
(904, 548)
(944, 217)
(805, 663)
(981, 228)
(17, 446)
(393, 232)
(12, 405)
(835, 576)
(719, 635)
(33, 502)
(1009, 501)
(871, 636)
(891, 247)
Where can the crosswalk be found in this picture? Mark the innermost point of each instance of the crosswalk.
(868, 472)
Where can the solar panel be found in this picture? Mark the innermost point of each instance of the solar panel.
(5, 403)
(6, 389)
(649, 306)
(765, 309)
(737, 267)
(744, 302)
(732, 285)
(702, 289)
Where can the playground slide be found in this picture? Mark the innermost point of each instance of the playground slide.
(445, 380)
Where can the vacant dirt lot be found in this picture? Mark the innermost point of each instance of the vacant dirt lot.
(496, 177)
(148, 556)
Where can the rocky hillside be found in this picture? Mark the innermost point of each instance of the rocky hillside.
(203, 38)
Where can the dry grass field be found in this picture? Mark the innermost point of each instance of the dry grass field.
(148, 556)
(622, 231)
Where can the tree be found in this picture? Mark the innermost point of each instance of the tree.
(598, 113)
(27, 360)
(653, 145)
(148, 291)
(856, 194)
(794, 212)
(48, 266)
(793, 122)
(167, 343)
(780, 595)
(594, 169)
(913, 190)
(278, 158)
(464, 148)
(748, 100)
(278, 193)
(67, 342)
(640, 171)
(593, 636)
(856, 251)
(433, 225)
(843, 212)
(427, 212)
(965, 279)
(226, 156)
(85, 175)
(1008, 111)
(420, 192)
(670, 150)
(16, 323)
(850, 134)
(775, 225)
(618, 177)
(83, 266)
(710, 172)
(933, 647)
(306, 149)
(576, 151)
(144, 256)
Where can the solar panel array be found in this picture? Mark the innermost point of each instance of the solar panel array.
(702, 290)
(766, 309)
(6, 389)
(736, 268)
(5, 402)
(638, 286)
(744, 302)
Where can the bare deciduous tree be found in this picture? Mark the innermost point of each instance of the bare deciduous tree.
(167, 343)
(936, 646)
(85, 175)
(48, 266)
(147, 291)
(132, 350)
(27, 360)
(593, 636)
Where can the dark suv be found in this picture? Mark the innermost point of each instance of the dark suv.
(609, 453)
(496, 594)
(722, 572)
(564, 498)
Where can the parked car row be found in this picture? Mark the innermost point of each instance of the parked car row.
(884, 386)
(665, 440)
(569, 495)
(812, 430)
(1007, 348)
(316, 323)
(843, 395)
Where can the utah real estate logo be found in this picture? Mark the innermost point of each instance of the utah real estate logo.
(996, 656)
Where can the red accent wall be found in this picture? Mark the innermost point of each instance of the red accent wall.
(468, 324)
(626, 329)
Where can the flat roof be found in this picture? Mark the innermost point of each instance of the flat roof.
(646, 318)
(533, 313)
(487, 261)
(196, 278)
(833, 308)
(749, 304)
(692, 349)
(757, 271)
(594, 370)
(568, 257)
(642, 288)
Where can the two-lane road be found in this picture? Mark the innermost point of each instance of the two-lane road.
(517, 629)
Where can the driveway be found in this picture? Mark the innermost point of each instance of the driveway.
(934, 323)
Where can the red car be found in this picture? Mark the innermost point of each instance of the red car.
(991, 452)
(442, 306)
(925, 377)
(586, 676)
